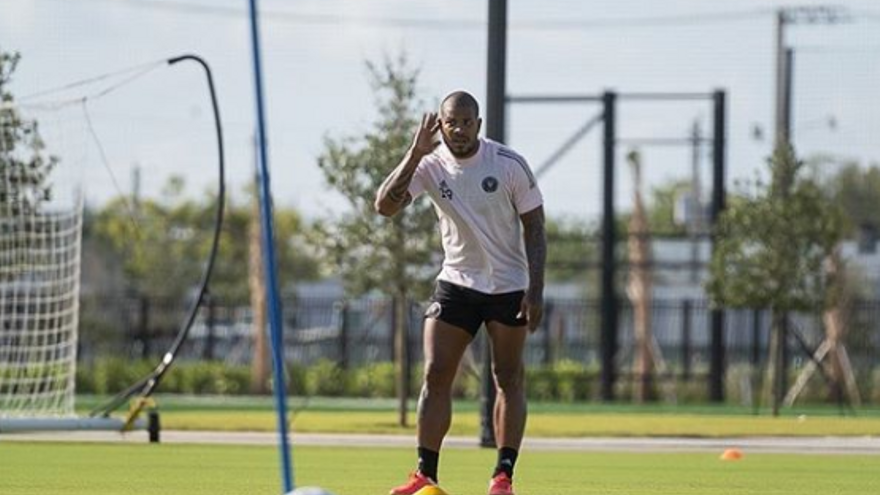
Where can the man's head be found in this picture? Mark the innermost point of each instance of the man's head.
(460, 123)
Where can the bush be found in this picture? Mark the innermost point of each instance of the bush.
(207, 377)
(296, 379)
(541, 384)
(326, 378)
(374, 380)
(572, 381)
(691, 391)
(110, 375)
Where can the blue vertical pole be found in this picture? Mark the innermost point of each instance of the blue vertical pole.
(269, 261)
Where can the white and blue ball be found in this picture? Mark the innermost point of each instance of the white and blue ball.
(309, 490)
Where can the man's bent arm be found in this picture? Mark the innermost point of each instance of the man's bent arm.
(535, 241)
(393, 195)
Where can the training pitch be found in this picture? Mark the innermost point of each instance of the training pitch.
(174, 469)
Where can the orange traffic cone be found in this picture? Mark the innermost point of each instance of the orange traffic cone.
(732, 455)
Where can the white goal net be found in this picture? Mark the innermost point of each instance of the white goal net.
(40, 239)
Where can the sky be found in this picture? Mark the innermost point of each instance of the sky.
(317, 86)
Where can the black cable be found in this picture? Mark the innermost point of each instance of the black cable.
(147, 385)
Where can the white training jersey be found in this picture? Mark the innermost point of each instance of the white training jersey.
(478, 202)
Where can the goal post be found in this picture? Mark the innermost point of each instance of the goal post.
(42, 179)
(41, 213)
(41, 222)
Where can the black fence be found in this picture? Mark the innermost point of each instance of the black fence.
(355, 332)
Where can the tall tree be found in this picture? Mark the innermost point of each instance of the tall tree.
(24, 173)
(770, 252)
(260, 351)
(639, 288)
(24, 165)
(394, 256)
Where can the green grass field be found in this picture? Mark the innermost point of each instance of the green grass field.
(30, 468)
(121, 469)
(545, 420)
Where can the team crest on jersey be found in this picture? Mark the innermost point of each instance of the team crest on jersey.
(445, 191)
(490, 184)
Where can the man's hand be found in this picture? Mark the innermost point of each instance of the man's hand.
(532, 308)
(424, 142)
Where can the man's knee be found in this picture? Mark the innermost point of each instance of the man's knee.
(439, 376)
(509, 379)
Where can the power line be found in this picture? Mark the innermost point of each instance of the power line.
(837, 48)
(447, 23)
(869, 15)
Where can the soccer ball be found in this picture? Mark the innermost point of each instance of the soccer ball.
(309, 490)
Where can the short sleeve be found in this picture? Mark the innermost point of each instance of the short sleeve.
(417, 184)
(524, 187)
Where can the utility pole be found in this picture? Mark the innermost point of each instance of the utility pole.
(787, 16)
(136, 186)
(695, 221)
(496, 92)
(780, 129)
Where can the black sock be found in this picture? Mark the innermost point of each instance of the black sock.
(506, 461)
(428, 460)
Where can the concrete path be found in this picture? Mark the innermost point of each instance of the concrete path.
(793, 445)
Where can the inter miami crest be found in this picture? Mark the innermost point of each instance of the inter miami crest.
(490, 184)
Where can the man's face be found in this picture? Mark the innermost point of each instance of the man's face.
(460, 127)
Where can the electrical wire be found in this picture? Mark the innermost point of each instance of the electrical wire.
(444, 24)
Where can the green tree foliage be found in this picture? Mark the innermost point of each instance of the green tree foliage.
(771, 245)
(165, 242)
(293, 261)
(157, 240)
(24, 166)
(770, 250)
(24, 172)
(572, 250)
(394, 256)
(857, 191)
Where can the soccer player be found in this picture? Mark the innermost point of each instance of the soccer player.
(491, 218)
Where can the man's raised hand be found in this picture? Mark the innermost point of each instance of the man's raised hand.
(424, 141)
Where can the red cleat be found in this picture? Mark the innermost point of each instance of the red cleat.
(418, 484)
(501, 484)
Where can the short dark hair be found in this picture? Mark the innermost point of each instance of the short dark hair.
(461, 99)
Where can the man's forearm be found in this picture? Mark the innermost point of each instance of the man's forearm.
(535, 241)
(392, 195)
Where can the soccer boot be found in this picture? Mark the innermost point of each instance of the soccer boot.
(418, 484)
(501, 484)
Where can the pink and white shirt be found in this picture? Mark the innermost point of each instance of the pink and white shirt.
(478, 201)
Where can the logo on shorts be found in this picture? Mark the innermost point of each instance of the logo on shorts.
(434, 310)
(490, 184)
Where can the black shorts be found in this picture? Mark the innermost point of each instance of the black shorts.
(468, 308)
